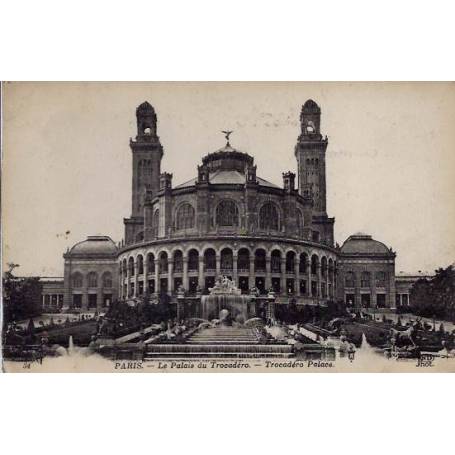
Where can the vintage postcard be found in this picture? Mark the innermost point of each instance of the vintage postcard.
(228, 227)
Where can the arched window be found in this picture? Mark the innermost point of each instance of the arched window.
(151, 263)
(290, 262)
(324, 267)
(92, 280)
(259, 260)
(163, 262)
(131, 266)
(276, 261)
(209, 259)
(314, 264)
(380, 279)
(178, 262)
(193, 260)
(156, 223)
(303, 263)
(365, 279)
(185, 216)
(107, 280)
(227, 259)
(243, 260)
(140, 265)
(268, 217)
(145, 168)
(349, 280)
(76, 280)
(227, 213)
(331, 271)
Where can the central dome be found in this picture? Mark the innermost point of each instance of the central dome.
(227, 159)
(227, 166)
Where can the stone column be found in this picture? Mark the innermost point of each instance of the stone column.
(308, 271)
(120, 280)
(358, 300)
(283, 276)
(145, 288)
(185, 273)
(201, 281)
(180, 305)
(84, 294)
(218, 265)
(136, 278)
(157, 277)
(128, 278)
(392, 291)
(99, 297)
(235, 274)
(251, 280)
(170, 276)
(68, 285)
(268, 273)
(327, 283)
(120, 285)
(374, 302)
(297, 275)
(319, 280)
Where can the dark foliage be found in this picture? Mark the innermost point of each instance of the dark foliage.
(21, 296)
(435, 297)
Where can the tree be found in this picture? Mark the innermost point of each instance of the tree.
(443, 291)
(21, 296)
(435, 297)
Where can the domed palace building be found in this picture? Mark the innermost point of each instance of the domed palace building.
(228, 220)
(90, 274)
(367, 271)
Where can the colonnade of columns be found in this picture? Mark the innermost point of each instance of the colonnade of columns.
(300, 275)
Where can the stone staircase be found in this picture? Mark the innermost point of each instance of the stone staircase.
(220, 342)
(224, 335)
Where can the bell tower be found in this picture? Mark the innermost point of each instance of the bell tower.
(147, 154)
(310, 154)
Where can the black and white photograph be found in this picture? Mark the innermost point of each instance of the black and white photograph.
(262, 191)
(228, 227)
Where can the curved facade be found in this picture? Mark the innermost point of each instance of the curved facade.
(228, 220)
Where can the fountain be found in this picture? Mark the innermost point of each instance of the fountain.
(366, 347)
(226, 296)
(70, 345)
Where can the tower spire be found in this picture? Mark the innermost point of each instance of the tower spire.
(310, 152)
(147, 155)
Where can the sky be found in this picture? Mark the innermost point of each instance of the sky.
(66, 170)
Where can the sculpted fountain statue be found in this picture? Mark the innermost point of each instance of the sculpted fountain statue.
(226, 296)
(223, 285)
